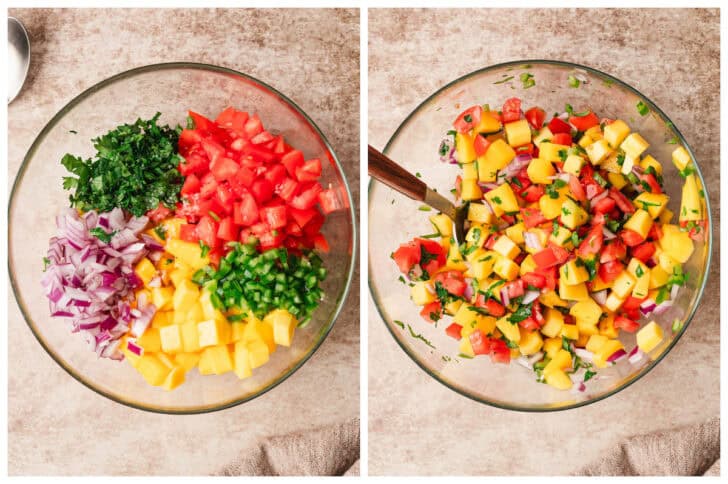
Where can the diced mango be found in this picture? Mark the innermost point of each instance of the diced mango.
(145, 270)
(560, 361)
(506, 247)
(640, 222)
(479, 213)
(676, 243)
(283, 324)
(554, 320)
(171, 338)
(150, 341)
(598, 151)
(607, 349)
(502, 199)
(615, 132)
(470, 171)
(455, 259)
(187, 360)
(162, 318)
(552, 151)
(681, 158)
(162, 297)
(220, 358)
(509, 330)
(654, 203)
(518, 133)
(153, 370)
(550, 207)
(577, 292)
(551, 346)
(506, 268)
(241, 365)
(649, 336)
(422, 293)
(574, 164)
(175, 378)
(596, 341)
(213, 332)
(530, 342)
(691, 207)
(572, 215)
(190, 337)
(539, 170)
(558, 379)
(623, 284)
(258, 353)
(499, 154)
(544, 135)
(613, 301)
(570, 331)
(470, 190)
(572, 273)
(606, 327)
(466, 348)
(464, 148)
(257, 330)
(188, 252)
(648, 161)
(634, 145)
(586, 312)
(560, 236)
(442, 224)
(641, 274)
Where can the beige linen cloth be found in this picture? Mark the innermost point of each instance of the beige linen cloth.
(328, 451)
(692, 450)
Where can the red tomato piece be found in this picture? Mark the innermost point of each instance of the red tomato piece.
(227, 230)
(623, 203)
(286, 189)
(468, 119)
(534, 279)
(452, 281)
(245, 212)
(649, 181)
(201, 122)
(407, 256)
(188, 232)
(604, 206)
(576, 189)
(644, 251)
(529, 324)
(158, 214)
(453, 331)
(626, 324)
(292, 161)
(608, 271)
(533, 193)
(631, 238)
(511, 110)
(253, 126)
(207, 231)
(532, 217)
(561, 138)
(499, 351)
(329, 201)
(432, 312)
(514, 288)
(262, 190)
(309, 171)
(275, 216)
(191, 185)
(481, 144)
(615, 250)
(536, 117)
(632, 303)
(479, 342)
(592, 243)
(558, 125)
(582, 123)
(307, 198)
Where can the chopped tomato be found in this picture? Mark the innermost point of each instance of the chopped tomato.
(649, 183)
(452, 281)
(536, 117)
(604, 206)
(582, 123)
(511, 110)
(550, 256)
(309, 171)
(159, 213)
(493, 307)
(468, 119)
(615, 250)
(529, 324)
(533, 193)
(479, 342)
(626, 324)
(527, 149)
(608, 271)
(575, 189)
(407, 256)
(532, 217)
(499, 351)
(454, 331)
(623, 203)
(274, 216)
(481, 144)
(592, 243)
(632, 302)
(558, 125)
(534, 279)
(644, 251)
(191, 185)
(562, 138)
(514, 288)
(631, 238)
(207, 231)
(432, 312)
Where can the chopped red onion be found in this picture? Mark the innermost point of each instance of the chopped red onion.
(593, 195)
(505, 298)
(530, 296)
(132, 346)
(608, 234)
(662, 307)
(617, 355)
(84, 282)
(636, 355)
(584, 354)
(468, 294)
(519, 163)
(647, 306)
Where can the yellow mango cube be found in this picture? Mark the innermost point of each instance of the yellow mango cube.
(606, 327)
(570, 331)
(283, 324)
(258, 353)
(551, 346)
(558, 379)
(204, 366)
(518, 133)
(188, 252)
(574, 164)
(576, 292)
(527, 265)
(185, 296)
(598, 151)
(237, 329)
(464, 148)
(187, 360)
(560, 361)
(613, 301)
(691, 206)
(162, 298)
(560, 236)
(150, 341)
(681, 158)
(455, 259)
(162, 318)
(634, 145)
(552, 300)
(607, 349)
(615, 132)
(470, 190)
(257, 330)
(479, 213)
(506, 268)
(648, 161)
(171, 338)
(654, 203)
(145, 270)
(640, 222)
(502, 199)
(466, 316)
(623, 284)
(554, 320)
(515, 233)
(466, 348)
(220, 359)
(213, 332)
(649, 336)
(175, 378)
(241, 364)
(153, 370)
(506, 247)
(509, 330)
(552, 151)
(544, 135)
(190, 337)
(572, 215)
(586, 312)
(539, 170)
(676, 243)
(596, 341)
(422, 293)
(550, 207)
(530, 342)
(498, 156)
(470, 171)
(618, 180)
(442, 224)
(572, 273)
(641, 274)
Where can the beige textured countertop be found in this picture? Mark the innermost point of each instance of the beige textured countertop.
(58, 426)
(417, 425)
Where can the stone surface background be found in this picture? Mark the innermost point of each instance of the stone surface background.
(58, 426)
(418, 426)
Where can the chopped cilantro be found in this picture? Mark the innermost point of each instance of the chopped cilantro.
(642, 108)
(101, 234)
(527, 80)
(204, 248)
(509, 78)
(523, 312)
(161, 232)
(573, 81)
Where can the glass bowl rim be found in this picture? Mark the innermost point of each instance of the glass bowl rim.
(128, 74)
(647, 368)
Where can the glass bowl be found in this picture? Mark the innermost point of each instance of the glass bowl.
(414, 145)
(37, 196)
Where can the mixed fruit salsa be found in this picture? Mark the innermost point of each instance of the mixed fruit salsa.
(569, 241)
(190, 248)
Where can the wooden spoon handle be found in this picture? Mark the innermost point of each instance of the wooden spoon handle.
(393, 175)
